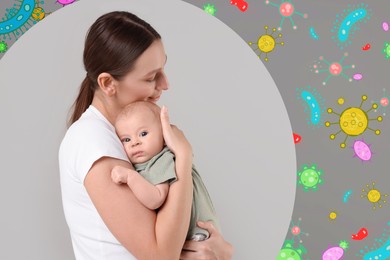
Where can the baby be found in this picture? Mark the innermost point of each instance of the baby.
(139, 129)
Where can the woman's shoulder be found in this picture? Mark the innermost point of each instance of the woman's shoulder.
(90, 124)
(90, 130)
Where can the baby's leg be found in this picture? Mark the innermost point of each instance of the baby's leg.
(202, 209)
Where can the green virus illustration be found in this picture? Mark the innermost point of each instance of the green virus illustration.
(386, 50)
(336, 252)
(289, 252)
(344, 244)
(3, 47)
(310, 177)
(210, 9)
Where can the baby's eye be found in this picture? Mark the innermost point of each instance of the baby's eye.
(144, 133)
(125, 140)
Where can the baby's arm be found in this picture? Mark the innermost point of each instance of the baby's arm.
(152, 196)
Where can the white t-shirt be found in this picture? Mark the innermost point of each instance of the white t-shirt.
(87, 140)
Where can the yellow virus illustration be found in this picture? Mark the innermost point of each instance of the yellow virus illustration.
(353, 121)
(340, 101)
(332, 215)
(38, 14)
(373, 195)
(267, 42)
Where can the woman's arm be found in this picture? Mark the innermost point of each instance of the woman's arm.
(142, 232)
(151, 196)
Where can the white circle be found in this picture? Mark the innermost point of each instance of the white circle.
(221, 96)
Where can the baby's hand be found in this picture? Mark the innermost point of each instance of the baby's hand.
(119, 174)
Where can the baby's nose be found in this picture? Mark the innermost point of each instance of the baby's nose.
(136, 142)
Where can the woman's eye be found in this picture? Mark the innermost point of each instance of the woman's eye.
(151, 80)
(144, 133)
(126, 140)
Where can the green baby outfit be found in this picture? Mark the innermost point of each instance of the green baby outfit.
(161, 168)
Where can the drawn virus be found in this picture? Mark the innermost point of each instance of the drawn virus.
(335, 252)
(366, 47)
(386, 50)
(362, 150)
(297, 138)
(310, 177)
(313, 34)
(353, 121)
(385, 26)
(286, 10)
(313, 103)
(289, 252)
(347, 23)
(65, 2)
(3, 47)
(357, 76)
(333, 69)
(241, 4)
(381, 248)
(210, 9)
(38, 14)
(332, 215)
(267, 42)
(360, 235)
(383, 102)
(373, 195)
(18, 19)
(296, 231)
(346, 196)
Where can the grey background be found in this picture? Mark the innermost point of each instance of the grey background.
(291, 68)
(221, 96)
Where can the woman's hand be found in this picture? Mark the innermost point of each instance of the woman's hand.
(174, 137)
(214, 248)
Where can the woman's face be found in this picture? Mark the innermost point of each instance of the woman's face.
(147, 80)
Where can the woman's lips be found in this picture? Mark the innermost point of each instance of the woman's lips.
(154, 100)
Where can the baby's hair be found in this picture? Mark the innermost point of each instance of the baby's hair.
(136, 106)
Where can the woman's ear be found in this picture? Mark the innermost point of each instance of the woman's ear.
(107, 83)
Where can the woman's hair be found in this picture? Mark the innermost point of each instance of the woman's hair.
(113, 44)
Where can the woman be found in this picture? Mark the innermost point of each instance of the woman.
(124, 59)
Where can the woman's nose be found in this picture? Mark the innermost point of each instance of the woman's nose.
(163, 83)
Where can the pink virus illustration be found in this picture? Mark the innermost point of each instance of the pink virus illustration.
(385, 26)
(335, 252)
(286, 10)
(383, 101)
(358, 76)
(65, 2)
(362, 150)
(334, 69)
(296, 230)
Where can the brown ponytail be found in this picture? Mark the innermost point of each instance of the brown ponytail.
(83, 100)
(113, 44)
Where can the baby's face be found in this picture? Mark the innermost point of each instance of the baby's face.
(141, 135)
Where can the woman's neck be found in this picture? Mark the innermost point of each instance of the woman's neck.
(107, 109)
